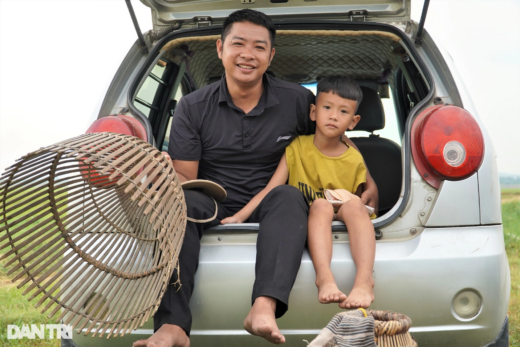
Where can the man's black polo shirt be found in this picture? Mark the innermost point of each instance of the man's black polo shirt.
(239, 151)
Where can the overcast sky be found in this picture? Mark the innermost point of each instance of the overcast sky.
(57, 59)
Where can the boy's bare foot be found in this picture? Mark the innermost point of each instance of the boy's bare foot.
(362, 295)
(167, 335)
(261, 320)
(328, 292)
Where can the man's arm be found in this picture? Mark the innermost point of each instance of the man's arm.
(370, 195)
(186, 170)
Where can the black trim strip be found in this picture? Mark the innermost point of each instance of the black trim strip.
(418, 37)
(156, 78)
(136, 26)
(146, 103)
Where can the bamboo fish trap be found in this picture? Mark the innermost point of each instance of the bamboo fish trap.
(92, 227)
(391, 329)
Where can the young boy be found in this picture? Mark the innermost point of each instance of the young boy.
(323, 161)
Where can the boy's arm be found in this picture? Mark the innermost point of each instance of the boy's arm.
(370, 194)
(279, 178)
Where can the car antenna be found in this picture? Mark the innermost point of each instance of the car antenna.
(136, 26)
(418, 38)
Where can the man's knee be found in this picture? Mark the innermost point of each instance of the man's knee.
(286, 194)
(196, 203)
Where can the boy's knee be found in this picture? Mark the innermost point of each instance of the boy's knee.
(321, 205)
(353, 206)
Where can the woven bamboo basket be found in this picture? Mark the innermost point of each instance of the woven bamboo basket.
(92, 227)
(392, 329)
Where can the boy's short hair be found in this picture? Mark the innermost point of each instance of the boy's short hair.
(343, 86)
(252, 16)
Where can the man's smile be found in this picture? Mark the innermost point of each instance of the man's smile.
(249, 67)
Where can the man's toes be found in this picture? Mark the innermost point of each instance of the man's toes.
(278, 338)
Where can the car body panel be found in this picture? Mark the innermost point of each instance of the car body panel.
(456, 203)
(169, 12)
(436, 61)
(116, 98)
(489, 188)
(463, 257)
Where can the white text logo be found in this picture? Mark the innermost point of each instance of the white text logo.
(42, 331)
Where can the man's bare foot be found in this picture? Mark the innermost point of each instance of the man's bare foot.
(362, 295)
(261, 320)
(167, 335)
(328, 292)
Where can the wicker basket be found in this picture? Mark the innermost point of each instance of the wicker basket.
(391, 329)
(93, 227)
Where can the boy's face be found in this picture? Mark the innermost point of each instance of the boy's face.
(334, 114)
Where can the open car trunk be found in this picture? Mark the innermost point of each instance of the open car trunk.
(410, 263)
(374, 54)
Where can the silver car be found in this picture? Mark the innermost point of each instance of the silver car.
(440, 256)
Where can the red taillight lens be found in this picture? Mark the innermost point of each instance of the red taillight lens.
(121, 124)
(446, 144)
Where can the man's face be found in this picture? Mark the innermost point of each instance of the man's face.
(245, 53)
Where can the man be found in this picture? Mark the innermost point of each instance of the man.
(234, 132)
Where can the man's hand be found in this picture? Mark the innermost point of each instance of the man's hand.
(232, 220)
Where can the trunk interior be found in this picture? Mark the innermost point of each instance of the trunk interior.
(377, 56)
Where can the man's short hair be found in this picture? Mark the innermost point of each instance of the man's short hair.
(252, 16)
(343, 86)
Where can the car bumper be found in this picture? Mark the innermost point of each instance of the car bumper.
(419, 277)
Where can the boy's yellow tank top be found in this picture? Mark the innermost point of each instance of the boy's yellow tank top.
(311, 171)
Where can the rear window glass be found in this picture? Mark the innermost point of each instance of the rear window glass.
(145, 99)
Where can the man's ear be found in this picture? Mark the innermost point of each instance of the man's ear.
(354, 122)
(271, 56)
(220, 46)
(312, 112)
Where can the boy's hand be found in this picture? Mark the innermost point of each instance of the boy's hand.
(232, 220)
(370, 197)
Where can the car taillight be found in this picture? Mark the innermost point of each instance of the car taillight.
(447, 144)
(121, 124)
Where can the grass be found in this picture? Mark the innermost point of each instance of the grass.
(511, 220)
(15, 309)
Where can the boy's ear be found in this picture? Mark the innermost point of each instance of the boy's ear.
(312, 113)
(354, 122)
